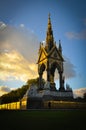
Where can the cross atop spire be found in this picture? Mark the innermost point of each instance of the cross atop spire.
(49, 20)
(49, 29)
(49, 15)
(49, 37)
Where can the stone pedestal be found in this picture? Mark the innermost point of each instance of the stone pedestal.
(37, 97)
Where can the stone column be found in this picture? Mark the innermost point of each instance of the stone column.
(61, 81)
(48, 72)
(40, 77)
(40, 80)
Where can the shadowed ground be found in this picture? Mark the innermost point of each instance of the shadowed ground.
(43, 119)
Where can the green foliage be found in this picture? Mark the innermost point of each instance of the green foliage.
(17, 94)
(35, 81)
(14, 95)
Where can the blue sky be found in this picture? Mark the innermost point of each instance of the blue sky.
(23, 25)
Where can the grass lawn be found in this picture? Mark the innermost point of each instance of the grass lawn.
(43, 119)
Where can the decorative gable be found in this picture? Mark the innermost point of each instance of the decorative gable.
(55, 54)
(42, 55)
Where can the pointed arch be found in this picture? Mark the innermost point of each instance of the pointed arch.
(54, 66)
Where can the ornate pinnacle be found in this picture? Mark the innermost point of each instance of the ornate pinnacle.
(60, 47)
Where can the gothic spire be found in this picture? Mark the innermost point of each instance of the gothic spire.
(49, 37)
(49, 25)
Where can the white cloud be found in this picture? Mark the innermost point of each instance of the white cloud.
(22, 25)
(20, 39)
(43, 42)
(2, 25)
(69, 69)
(79, 92)
(76, 35)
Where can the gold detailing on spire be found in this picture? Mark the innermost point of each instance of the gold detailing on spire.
(49, 22)
(49, 37)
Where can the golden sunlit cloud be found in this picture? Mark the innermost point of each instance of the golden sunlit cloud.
(14, 66)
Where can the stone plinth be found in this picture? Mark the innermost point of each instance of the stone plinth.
(36, 97)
